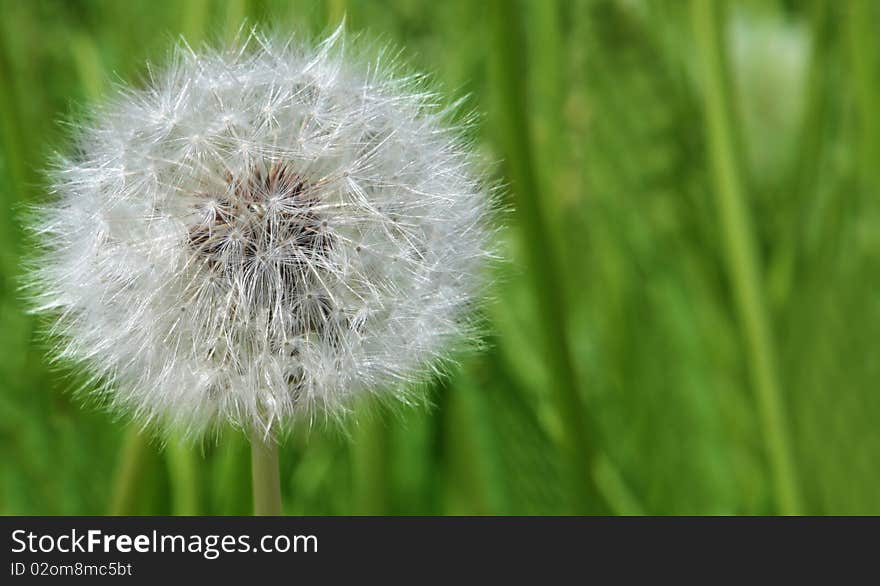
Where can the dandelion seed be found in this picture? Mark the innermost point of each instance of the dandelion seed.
(262, 234)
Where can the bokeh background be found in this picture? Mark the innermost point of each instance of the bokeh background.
(689, 318)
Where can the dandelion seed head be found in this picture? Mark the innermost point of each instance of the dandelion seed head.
(263, 233)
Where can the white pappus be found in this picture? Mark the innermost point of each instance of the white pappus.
(262, 233)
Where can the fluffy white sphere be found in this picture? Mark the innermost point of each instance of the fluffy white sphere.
(262, 233)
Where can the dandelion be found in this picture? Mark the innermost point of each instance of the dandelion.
(260, 235)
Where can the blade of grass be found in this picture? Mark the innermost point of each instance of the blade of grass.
(130, 476)
(89, 67)
(863, 45)
(195, 18)
(183, 473)
(337, 10)
(794, 253)
(370, 464)
(577, 435)
(231, 495)
(265, 475)
(742, 260)
(11, 157)
(236, 12)
(547, 54)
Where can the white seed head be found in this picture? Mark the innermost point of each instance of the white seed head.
(260, 234)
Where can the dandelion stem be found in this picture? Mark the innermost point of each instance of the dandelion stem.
(265, 475)
(740, 247)
(130, 473)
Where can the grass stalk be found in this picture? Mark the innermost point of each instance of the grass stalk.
(548, 58)
(370, 464)
(89, 66)
(739, 243)
(236, 12)
(796, 250)
(234, 498)
(265, 475)
(183, 473)
(195, 15)
(336, 12)
(577, 437)
(130, 474)
(863, 47)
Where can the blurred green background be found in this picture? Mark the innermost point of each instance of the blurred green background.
(690, 319)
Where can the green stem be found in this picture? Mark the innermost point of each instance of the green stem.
(863, 47)
(577, 433)
(797, 248)
(741, 253)
(233, 494)
(236, 12)
(130, 473)
(545, 27)
(265, 475)
(183, 474)
(194, 17)
(89, 66)
(370, 465)
(336, 11)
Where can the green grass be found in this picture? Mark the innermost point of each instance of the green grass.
(689, 318)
